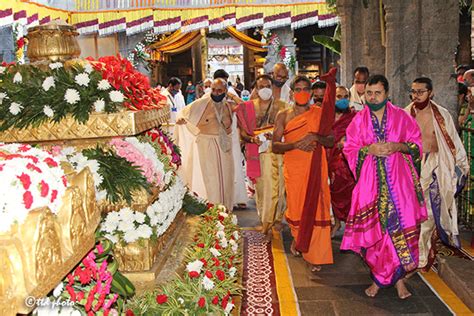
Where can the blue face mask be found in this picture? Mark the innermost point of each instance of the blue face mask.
(342, 104)
(245, 97)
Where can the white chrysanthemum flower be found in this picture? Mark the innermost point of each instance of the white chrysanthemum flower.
(126, 214)
(232, 271)
(72, 96)
(48, 111)
(82, 79)
(144, 231)
(220, 226)
(196, 266)
(131, 236)
(207, 283)
(236, 235)
(125, 226)
(88, 68)
(234, 220)
(104, 85)
(2, 70)
(58, 289)
(56, 65)
(215, 252)
(15, 108)
(48, 83)
(100, 195)
(67, 151)
(17, 78)
(99, 105)
(116, 96)
(139, 217)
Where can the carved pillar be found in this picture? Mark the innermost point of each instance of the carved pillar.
(350, 50)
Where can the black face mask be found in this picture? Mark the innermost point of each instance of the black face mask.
(278, 83)
(318, 100)
(218, 98)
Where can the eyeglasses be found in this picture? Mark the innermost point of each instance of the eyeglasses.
(418, 92)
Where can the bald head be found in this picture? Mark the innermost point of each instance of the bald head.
(280, 74)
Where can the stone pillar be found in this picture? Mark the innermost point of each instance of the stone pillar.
(373, 47)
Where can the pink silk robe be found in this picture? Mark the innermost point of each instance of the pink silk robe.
(387, 206)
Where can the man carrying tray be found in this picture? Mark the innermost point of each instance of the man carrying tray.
(256, 118)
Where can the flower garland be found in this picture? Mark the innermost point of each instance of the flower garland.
(31, 178)
(30, 96)
(210, 279)
(140, 53)
(119, 72)
(166, 144)
(127, 226)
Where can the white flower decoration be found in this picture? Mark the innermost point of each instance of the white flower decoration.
(17, 78)
(116, 96)
(223, 214)
(99, 105)
(48, 83)
(196, 266)
(228, 308)
(2, 70)
(131, 235)
(48, 111)
(207, 283)
(215, 252)
(3, 96)
(220, 226)
(223, 242)
(236, 235)
(55, 65)
(234, 220)
(82, 79)
(104, 85)
(15, 108)
(58, 289)
(180, 300)
(88, 68)
(232, 271)
(144, 231)
(72, 96)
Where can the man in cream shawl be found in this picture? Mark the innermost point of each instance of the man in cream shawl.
(444, 167)
(203, 133)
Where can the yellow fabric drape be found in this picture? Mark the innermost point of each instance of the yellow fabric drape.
(176, 36)
(246, 40)
(183, 47)
(179, 43)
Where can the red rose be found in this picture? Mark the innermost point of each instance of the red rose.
(215, 300)
(216, 261)
(202, 302)
(208, 274)
(129, 313)
(221, 218)
(161, 299)
(27, 199)
(25, 180)
(200, 245)
(220, 275)
(217, 246)
(204, 262)
(193, 274)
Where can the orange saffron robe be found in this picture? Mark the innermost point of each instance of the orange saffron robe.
(297, 165)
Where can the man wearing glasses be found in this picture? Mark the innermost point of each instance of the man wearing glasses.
(383, 148)
(357, 100)
(444, 167)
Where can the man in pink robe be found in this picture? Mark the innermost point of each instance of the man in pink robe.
(383, 149)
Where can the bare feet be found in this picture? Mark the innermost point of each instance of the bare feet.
(293, 250)
(372, 290)
(268, 235)
(402, 290)
(335, 228)
(412, 273)
(315, 269)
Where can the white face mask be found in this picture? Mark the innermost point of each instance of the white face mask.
(207, 90)
(265, 93)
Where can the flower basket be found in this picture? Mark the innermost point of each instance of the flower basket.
(141, 255)
(36, 254)
(99, 125)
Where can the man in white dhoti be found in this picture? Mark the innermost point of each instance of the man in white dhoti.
(444, 167)
(203, 132)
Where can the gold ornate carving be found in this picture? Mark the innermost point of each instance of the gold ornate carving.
(99, 125)
(45, 247)
(141, 199)
(52, 42)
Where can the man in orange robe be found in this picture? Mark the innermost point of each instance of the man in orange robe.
(305, 130)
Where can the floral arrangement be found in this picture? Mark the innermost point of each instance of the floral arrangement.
(211, 277)
(30, 96)
(127, 226)
(140, 53)
(121, 74)
(31, 178)
(168, 147)
(194, 204)
(95, 286)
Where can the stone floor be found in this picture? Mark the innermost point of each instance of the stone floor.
(339, 288)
